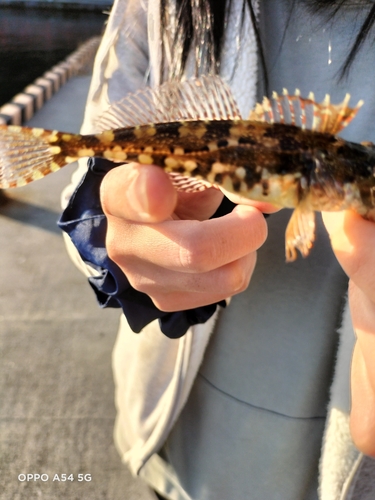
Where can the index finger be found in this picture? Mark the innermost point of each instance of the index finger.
(190, 246)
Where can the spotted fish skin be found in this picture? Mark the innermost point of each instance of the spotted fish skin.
(262, 158)
(277, 163)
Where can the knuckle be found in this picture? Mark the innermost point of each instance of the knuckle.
(164, 303)
(200, 252)
(142, 284)
(119, 248)
(137, 282)
(194, 258)
(112, 247)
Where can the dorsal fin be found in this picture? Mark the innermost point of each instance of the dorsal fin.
(205, 98)
(306, 113)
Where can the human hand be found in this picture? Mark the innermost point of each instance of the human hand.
(164, 243)
(353, 241)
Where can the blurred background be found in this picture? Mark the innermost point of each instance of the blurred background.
(33, 39)
(56, 388)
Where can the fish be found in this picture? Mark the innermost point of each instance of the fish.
(287, 152)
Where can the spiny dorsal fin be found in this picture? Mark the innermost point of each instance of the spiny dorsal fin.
(306, 113)
(205, 98)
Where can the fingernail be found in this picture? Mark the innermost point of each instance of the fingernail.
(245, 209)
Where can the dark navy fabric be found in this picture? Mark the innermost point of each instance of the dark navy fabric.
(86, 224)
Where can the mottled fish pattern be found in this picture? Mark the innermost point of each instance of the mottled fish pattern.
(287, 153)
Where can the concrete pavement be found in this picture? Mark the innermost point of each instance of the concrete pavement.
(57, 410)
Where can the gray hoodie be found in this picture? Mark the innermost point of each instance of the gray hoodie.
(241, 406)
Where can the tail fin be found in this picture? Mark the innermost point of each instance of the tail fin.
(28, 154)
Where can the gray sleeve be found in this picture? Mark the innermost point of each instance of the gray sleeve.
(122, 62)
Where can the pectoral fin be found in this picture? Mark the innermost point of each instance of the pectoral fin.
(300, 232)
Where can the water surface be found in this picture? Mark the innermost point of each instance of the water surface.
(33, 40)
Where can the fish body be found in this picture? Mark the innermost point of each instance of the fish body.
(255, 160)
(280, 163)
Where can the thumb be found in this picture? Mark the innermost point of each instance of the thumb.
(142, 193)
